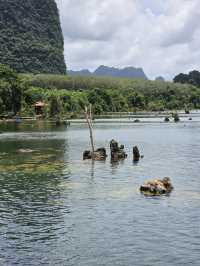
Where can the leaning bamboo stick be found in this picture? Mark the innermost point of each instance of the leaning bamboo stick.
(88, 117)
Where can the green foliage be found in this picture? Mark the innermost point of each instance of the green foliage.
(34, 94)
(11, 89)
(67, 96)
(192, 78)
(30, 36)
(117, 94)
(55, 106)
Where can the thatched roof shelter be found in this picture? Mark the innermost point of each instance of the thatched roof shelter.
(40, 104)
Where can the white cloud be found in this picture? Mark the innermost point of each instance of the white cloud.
(160, 36)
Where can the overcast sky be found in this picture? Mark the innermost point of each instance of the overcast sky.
(161, 36)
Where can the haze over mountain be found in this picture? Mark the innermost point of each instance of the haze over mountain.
(159, 78)
(105, 71)
(31, 38)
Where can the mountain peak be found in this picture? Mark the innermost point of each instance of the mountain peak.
(160, 78)
(102, 70)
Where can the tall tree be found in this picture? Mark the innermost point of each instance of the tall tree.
(11, 90)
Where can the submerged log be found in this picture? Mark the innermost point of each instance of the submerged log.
(157, 187)
(136, 154)
(98, 155)
(117, 152)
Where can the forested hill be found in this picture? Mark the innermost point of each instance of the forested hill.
(31, 38)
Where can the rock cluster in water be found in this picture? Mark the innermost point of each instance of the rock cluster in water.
(98, 155)
(157, 187)
(136, 154)
(167, 119)
(176, 117)
(117, 151)
(154, 187)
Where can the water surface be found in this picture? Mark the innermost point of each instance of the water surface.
(56, 209)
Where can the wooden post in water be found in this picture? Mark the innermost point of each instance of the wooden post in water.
(88, 116)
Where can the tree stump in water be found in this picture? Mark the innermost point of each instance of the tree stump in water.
(176, 117)
(187, 111)
(136, 154)
(87, 155)
(117, 152)
(157, 187)
(98, 155)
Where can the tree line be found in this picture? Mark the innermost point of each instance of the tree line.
(65, 95)
(192, 78)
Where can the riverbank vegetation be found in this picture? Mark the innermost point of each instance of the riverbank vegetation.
(66, 96)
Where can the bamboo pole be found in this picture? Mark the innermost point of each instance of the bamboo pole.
(88, 117)
(91, 114)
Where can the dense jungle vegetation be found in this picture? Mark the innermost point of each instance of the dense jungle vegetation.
(31, 39)
(65, 95)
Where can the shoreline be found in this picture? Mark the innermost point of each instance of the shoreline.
(120, 117)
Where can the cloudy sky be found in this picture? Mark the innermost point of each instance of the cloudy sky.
(162, 36)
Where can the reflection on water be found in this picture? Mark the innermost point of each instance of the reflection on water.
(56, 209)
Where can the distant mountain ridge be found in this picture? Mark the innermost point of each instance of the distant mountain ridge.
(159, 78)
(83, 72)
(105, 71)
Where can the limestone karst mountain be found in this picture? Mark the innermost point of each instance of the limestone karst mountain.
(105, 71)
(31, 38)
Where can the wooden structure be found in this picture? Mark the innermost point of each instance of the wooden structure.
(39, 108)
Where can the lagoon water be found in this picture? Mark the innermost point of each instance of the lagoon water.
(56, 209)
